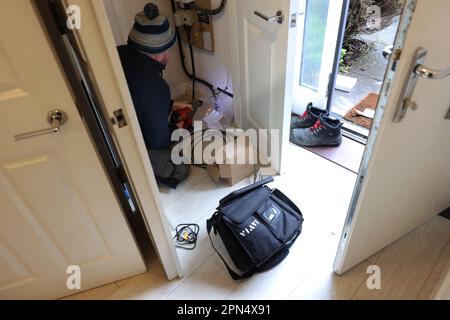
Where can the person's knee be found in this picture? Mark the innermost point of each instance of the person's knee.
(166, 172)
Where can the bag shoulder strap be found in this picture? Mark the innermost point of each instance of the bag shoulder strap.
(233, 274)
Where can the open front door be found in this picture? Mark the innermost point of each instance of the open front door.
(318, 36)
(281, 64)
(405, 176)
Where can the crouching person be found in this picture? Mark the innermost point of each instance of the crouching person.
(144, 59)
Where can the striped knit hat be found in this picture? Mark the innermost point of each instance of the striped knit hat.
(152, 31)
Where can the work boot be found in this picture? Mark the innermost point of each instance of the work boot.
(308, 118)
(327, 132)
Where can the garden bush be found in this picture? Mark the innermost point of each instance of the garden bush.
(358, 21)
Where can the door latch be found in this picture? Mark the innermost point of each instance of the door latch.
(119, 119)
(406, 103)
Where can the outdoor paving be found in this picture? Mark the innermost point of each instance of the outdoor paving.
(369, 70)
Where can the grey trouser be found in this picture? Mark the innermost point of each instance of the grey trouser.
(165, 171)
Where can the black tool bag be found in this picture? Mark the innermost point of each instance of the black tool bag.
(257, 225)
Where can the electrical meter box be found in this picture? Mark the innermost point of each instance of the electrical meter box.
(202, 29)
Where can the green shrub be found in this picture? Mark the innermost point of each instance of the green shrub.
(357, 24)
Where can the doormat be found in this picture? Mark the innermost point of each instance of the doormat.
(356, 116)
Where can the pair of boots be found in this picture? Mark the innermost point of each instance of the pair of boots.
(315, 128)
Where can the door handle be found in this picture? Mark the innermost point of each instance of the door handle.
(428, 73)
(417, 70)
(55, 118)
(421, 71)
(279, 17)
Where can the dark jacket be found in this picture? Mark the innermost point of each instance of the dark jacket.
(151, 96)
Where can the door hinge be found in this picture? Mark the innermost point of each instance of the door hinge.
(119, 119)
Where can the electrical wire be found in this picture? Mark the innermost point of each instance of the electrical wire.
(188, 30)
(186, 236)
(181, 51)
(226, 136)
(213, 12)
(183, 59)
(225, 92)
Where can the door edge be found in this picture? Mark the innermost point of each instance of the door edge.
(405, 22)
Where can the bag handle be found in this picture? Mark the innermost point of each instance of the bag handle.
(240, 192)
(233, 274)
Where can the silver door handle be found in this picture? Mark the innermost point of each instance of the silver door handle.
(417, 70)
(55, 118)
(279, 17)
(432, 74)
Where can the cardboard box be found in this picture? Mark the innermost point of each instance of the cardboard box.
(233, 173)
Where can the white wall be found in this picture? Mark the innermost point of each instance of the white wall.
(121, 16)
(216, 67)
(213, 67)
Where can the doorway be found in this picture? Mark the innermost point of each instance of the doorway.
(345, 81)
(363, 61)
(196, 199)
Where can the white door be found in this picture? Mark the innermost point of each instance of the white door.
(102, 60)
(268, 60)
(57, 207)
(264, 52)
(318, 31)
(405, 178)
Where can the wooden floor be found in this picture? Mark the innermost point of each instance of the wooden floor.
(415, 267)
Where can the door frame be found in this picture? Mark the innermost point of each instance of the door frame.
(149, 216)
(337, 55)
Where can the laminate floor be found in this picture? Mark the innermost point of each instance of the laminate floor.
(414, 267)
